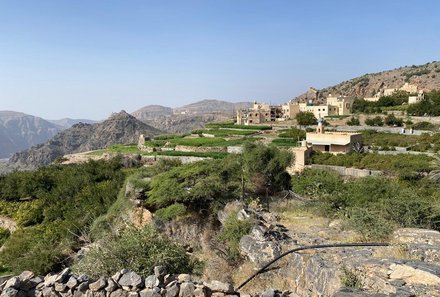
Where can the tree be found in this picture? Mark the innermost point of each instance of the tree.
(376, 121)
(391, 120)
(305, 118)
(353, 121)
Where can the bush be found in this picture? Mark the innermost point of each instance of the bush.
(391, 120)
(376, 121)
(136, 249)
(296, 134)
(353, 122)
(4, 234)
(424, 126)
(305, 118)
(233, 230)
(168, 213)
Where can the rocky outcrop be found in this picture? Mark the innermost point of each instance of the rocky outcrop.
(120, 128)
(124, 283)
(424, 76)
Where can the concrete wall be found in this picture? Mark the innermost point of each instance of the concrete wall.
(353, 172)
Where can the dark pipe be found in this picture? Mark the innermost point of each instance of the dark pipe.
(322, 246)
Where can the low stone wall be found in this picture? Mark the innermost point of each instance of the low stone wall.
(235, 149)
(353, 172)
(201, 149)
(183, 159)
(124, 283)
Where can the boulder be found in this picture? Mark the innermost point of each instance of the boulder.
(130, 279)
(216, 286)
(13, 282)
(416, 273)
(172, 289)
(98, 285)
(119, 293)
(187, 289)
(149, 293)
(63, 276)
(183, 278)
(9, 292)
(259, 252)
(111, 285)
(151, 282)
(72, 283)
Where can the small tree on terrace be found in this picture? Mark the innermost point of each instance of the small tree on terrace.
(305, 118)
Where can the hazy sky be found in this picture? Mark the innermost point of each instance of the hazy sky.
(86, 59)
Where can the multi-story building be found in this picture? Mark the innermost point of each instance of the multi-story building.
(262, 112)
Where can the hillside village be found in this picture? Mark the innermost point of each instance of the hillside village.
(224, 199)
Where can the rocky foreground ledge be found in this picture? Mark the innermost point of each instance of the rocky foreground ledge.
(124, 283)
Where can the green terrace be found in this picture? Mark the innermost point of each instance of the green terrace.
(224, 132)
(133, 149)
(233, 126)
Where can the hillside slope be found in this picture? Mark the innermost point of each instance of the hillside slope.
(188, 117)
(19, 131)
(426, 77)
(120, 128)
(68, 122)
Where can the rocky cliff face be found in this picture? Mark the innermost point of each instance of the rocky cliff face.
(426, 77)
(120, 128)
(19, 131)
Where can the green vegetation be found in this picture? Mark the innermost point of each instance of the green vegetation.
(353, 121)
(124, 149)
(210, 183)
(138, 249)
(233, 230)
(224, 132)
(62, 201)
(233, 126)
(425, 142)
(376, 121)
(210, 141)
(401, 164)
(397, 99)
(350, 279)
(170, 212)
(429, 106)
(391, 120)
(305, 118)
(373, 206)
(213, 155)
(294, 133)
(418, 72)
(4, 234)
(424, 126)
(287, 142)
(169, 136)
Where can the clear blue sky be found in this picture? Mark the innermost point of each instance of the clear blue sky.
(86, 59)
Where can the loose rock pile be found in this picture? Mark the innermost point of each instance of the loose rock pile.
(124, 283)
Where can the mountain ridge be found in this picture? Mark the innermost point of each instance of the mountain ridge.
(119, 128)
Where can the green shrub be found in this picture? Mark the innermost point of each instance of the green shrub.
(170, 212)
(353, 121)
(136, 249)
(350, 279)
(4, 234)
(423, 126)
(233, 230)
(305, 118)
(391, 120)
(294, 133)
(376, 121)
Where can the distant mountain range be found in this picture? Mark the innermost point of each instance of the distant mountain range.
(120, 128)
(68, 122)
(188, 117)
(19, 131)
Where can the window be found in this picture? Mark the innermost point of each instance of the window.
(327, 148)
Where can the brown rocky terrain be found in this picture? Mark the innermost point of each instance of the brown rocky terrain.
(120, 128)
(426, 77)
(188, 117)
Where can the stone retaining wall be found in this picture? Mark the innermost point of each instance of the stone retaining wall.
(201, 149)
(345, 171)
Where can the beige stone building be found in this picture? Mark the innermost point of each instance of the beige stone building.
(262, 112)
(332, 142)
